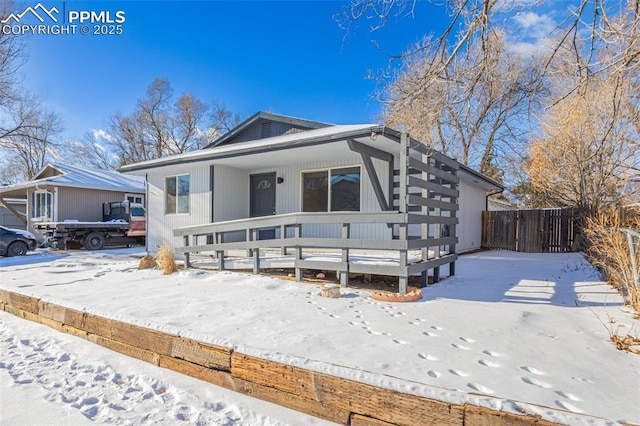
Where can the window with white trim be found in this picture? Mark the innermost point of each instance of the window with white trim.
(42, 205)
(331, 190)
(176, 189)
(134, 198)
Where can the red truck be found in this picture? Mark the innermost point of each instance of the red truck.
(123, 223)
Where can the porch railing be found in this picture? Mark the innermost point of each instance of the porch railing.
(210, 238)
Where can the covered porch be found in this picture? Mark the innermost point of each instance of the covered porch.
(411, 222)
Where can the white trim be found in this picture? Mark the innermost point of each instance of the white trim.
(164, 191)
(328, 170)
(32, 210)
(128, 195)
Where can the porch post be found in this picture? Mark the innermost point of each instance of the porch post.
(403, 280)
(256, 253)
(187, 264)
(297, 235)
(219, 253)
(344, 275)
(283, 235)
(404, 208)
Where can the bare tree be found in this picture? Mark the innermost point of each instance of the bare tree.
(587, 155)
(11, 56)
(159, 127)
(476, 110)
(29, 133)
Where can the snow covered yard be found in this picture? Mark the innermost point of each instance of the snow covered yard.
(511, 331)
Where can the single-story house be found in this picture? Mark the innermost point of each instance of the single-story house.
(60, 192)
(8, 218)
(285, 179)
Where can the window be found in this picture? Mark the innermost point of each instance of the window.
(177, 194)
(134, 198)
(42, 205)
(331, 190)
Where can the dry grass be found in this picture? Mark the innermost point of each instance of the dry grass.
(166, 260)
(608, 249)
(147, 262)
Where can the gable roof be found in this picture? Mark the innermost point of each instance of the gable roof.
(64, 175)
(275, 144)
(261, 116)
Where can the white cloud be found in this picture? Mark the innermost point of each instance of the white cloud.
(537, 26)
(100, 134)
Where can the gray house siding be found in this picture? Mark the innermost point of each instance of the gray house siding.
(84, 205)
(266, 129)
(9, 220)
(230, 197)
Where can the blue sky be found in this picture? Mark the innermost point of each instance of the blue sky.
(287, 57)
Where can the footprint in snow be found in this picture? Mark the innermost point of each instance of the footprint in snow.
(536, 382)
(467, 339)
(400, 342)
(434, 374)
(430, 334)
(458, 373)
(568, 395)
(428, 357)
(435, 327)
(459, 346)
(533, 370)
(479, 388)
(569, 407)
(488, 363)
(492, 353)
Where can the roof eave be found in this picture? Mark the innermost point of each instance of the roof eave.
(210, 154)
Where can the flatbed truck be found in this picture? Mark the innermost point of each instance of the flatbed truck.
(123, 223)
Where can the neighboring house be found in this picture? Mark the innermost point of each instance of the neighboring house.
(7, 216)
(62, 192)
(495, 204)
(315, 176)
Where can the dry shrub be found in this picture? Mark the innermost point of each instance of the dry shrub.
(627, 343)
(608, 249)
(166, 260)
(147, 262)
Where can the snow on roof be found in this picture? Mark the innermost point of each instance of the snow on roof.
(81, 177)
(326, 134)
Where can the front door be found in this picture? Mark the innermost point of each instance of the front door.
(263, 199)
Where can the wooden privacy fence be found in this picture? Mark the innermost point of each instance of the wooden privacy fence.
(533, 231)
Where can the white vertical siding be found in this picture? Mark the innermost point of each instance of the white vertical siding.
(289, 192)
(231, 193)
(160, 225)
(231, 197)
(469, 229)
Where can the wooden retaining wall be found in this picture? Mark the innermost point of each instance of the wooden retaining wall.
(340, 400)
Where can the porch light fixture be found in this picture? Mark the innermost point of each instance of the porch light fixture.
(279, 179)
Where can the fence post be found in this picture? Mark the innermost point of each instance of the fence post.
(632, 251)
